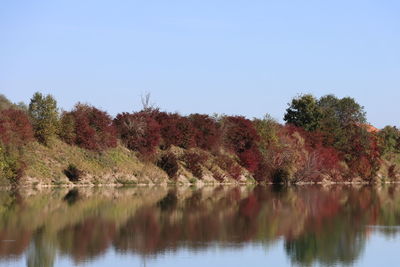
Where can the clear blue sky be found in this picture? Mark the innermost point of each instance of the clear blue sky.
(234, 57)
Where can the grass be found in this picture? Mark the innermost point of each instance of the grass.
(48, 163)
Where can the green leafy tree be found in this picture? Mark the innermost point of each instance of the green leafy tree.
(341, 112)
(44, 115)
(304, 112)
(389, 138)
(267, 128)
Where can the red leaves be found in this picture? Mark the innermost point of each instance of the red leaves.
(94, 129)
(175, 129)
(239, 134)
(138, 131)
(193, 162)
(15, 127)
(250, 159)
(207, 133)
(241, 137)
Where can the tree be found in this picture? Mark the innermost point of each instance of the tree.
(304, 112)
(67, 131)
(44, 116)
(389, 139)
(342, 111)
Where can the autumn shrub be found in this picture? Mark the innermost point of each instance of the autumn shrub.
(241, 137)
(15, 132)
(361, 152)
(175, 129)
(229, 165)
(193, 162)
(94, 129)
(15, 127)
(319, 157)
(263, 171)
(169, 163)
(138, 131)
(207, 132)
(239, 134)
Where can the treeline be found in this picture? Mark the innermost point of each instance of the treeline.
(325, 138)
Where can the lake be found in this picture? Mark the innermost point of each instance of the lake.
(212, 226)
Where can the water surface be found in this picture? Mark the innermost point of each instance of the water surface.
(213, 226)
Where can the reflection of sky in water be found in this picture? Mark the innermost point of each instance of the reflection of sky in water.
(380, 250)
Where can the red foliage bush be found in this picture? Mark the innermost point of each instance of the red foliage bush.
(207, 133)
(239, 134)
(250, 159)
(193, 162)
(175, 129)
(15, 127)
(249, 207)
(241, 137)
(138, 131)
(94, 129)
(262, 172)
(327, 157)
(362, 152)
(229, 165)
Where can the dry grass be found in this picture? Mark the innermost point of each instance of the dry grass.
(49, 163)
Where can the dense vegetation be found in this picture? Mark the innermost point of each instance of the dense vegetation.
(325, 139)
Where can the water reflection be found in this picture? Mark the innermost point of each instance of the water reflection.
(318, 225)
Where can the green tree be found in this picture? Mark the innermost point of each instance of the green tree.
(389, 138)
(304, 112)
(341, 112)
(44, 115)
(267, 128)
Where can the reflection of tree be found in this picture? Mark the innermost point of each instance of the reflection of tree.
(337, 243)
(318, 225)
(41, 252)
(87, 239)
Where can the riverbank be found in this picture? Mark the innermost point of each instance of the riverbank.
(47, 166)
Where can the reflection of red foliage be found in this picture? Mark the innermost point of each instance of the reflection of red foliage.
(249, 207)
(90, 238)
(22, 239)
